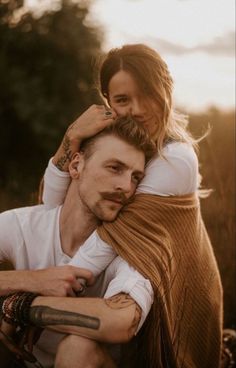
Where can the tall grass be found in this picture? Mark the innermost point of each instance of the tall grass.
(217, 159)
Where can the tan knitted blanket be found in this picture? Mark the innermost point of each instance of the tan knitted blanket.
(165, 239)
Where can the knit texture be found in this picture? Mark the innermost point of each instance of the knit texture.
(165, 239)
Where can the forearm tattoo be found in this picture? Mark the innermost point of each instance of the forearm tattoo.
(66, 145)
(45, 316)
(121, 301)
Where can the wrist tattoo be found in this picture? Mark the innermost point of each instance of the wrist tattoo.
(42, 316)
(66, 145)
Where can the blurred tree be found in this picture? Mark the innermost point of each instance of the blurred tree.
(46, 81)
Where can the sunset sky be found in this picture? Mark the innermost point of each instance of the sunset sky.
(195, 37)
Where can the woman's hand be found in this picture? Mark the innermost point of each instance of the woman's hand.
(96, 118)
(92, 121)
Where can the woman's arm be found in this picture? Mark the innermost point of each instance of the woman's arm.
(94, 255)
(56, 179)
(88, 124)
(55, 185)
(174, 174)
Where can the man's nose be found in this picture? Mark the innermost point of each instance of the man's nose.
(125, 184)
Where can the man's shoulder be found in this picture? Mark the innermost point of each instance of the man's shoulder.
(29, 236)
(26, 215)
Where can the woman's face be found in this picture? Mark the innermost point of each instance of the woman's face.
(126, 98)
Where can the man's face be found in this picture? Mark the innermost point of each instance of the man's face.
(109, 177)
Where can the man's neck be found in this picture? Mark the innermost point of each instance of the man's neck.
(76, 223)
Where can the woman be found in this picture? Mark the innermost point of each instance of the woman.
(161, 233)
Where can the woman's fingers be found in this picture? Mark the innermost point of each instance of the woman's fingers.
(93, 120)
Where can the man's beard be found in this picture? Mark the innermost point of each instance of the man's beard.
(109, 213)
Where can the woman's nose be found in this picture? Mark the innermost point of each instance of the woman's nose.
(137, 108)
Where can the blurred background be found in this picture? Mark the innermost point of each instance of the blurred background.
(48, 52)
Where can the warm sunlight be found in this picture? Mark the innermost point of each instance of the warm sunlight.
(195, 37)
(70, 160)
(185, 22)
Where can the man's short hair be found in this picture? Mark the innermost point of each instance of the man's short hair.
(128, 130)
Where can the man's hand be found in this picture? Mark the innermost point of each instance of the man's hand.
(53, 281)
(60, 281)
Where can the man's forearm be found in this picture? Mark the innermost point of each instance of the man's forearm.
(54, 281)
(110, 320)
(11, 281)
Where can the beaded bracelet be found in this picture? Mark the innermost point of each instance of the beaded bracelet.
(15, 307)
(8, 312)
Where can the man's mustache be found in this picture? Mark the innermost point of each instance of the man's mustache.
(115, 196)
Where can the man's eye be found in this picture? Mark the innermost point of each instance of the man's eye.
(114, 168)
(136, 179)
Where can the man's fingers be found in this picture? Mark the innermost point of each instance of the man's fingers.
(70, 292)
(107, 112)
(82, 273)
(79, 286)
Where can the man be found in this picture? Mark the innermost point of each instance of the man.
(105, 174)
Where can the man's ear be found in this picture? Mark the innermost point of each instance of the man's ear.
(76, 165)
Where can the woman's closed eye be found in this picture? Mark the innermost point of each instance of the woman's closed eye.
(121, 100)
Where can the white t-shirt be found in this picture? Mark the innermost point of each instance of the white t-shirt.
(30, 239)
(176, 173)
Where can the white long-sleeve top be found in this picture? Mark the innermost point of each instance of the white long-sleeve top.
(176, 173)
